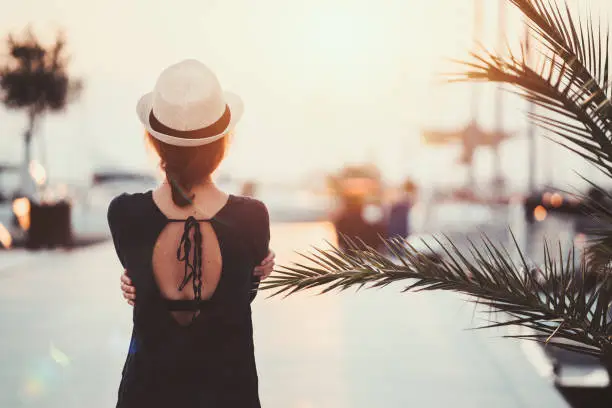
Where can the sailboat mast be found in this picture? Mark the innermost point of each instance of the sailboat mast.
(499, 100)
(477, 35)
(531, 145)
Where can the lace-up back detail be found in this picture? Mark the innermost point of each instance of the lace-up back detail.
(188, 280)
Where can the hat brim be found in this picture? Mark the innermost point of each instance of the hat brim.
(145, 106)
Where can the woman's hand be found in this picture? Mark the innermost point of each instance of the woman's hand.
(129, 291)
(266, 267)
(262, 271)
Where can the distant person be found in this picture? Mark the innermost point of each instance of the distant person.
(249, 189)
(399, 214)
(190, 250)
(351, 222)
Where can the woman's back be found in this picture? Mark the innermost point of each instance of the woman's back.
(192, 339)
(198, 246)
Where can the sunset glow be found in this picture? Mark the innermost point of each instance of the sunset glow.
(333, 81)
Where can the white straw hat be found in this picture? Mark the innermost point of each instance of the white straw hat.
(188, 99)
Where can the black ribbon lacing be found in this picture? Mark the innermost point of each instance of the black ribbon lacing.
(193, 266)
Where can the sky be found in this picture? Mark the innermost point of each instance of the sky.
(325, 82)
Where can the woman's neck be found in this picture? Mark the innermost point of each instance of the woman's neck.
(207, 199)
(205, 189)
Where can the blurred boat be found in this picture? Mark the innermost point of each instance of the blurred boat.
(295, 205)
(90, 203)
(112, 182)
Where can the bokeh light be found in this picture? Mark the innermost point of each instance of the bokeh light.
(59, 356)
(556, 200)
(580, 240)
(43, 375)
(38, 172)
(40, 377)
(373, 213)
(540, 213)
(5, 237)
(21, 209)
(33, 388)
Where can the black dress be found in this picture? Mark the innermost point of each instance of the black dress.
(210, 362)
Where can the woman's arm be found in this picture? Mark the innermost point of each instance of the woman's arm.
(117, 225)
(260, 236)
(263, 270)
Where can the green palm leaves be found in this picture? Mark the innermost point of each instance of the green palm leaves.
(551, 300)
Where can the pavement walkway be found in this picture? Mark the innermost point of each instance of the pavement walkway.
(65, 333)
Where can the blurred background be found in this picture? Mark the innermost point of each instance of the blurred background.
(349, 126)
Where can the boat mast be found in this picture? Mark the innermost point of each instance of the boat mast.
(531, 146)
(499, 105)
(477, 35)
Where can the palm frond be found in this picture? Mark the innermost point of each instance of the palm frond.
(597, 209)
(569, 79)
(585, 47)
(579, 121)
(555, 304)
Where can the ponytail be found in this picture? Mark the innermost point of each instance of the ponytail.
(180, 193)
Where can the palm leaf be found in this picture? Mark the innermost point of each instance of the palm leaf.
(570, 79)
(561, 311)
(577, 114)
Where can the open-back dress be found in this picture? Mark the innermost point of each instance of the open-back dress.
(192, 339)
